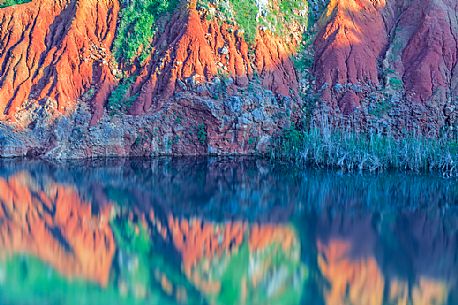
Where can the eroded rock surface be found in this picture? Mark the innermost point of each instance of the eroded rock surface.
(402, 53)
(55, 50)
(214, 82)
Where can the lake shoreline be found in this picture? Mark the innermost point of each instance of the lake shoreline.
(291, 163)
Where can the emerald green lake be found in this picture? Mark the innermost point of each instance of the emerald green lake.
(223, 231)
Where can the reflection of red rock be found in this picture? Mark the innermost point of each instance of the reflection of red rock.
(195, 239)
(262, 236)
(360, 280)
(55, 49)
(427, 292)
(57, 226)
(202, 245)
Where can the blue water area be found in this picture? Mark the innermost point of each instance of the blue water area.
(223, 231)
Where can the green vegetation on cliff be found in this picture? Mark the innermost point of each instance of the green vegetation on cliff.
(6, 3)
(253, 15)
(245, 12)
(137, 26)
(119, 100)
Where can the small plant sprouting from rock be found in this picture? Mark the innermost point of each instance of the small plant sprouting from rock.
(380, 108)
(202, 133)
(119, 100)
(396, 83)
(252, 141)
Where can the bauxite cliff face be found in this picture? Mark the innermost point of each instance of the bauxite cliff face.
(85, 78)
(52, 52)
(406, 50)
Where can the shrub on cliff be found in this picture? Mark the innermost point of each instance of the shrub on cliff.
(245, 16)
(249, 15)
(6, 3)
(137, 26)
(119, 99)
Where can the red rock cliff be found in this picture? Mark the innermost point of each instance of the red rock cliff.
(362, 45)
(55, 50)
(194, 50)
(56, 60)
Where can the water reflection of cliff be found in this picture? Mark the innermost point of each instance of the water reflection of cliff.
(229, 232)
(389, 258)
(54, 224)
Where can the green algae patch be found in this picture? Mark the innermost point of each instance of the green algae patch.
(6, 3)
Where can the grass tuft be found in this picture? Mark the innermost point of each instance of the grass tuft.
(349, 151)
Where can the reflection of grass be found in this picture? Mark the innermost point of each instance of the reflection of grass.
(30, 281)
(137, 277)
(267, 276)
(148, 267)
(131, 237)
(134, 247)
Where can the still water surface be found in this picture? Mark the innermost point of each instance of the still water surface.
(223, 231)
